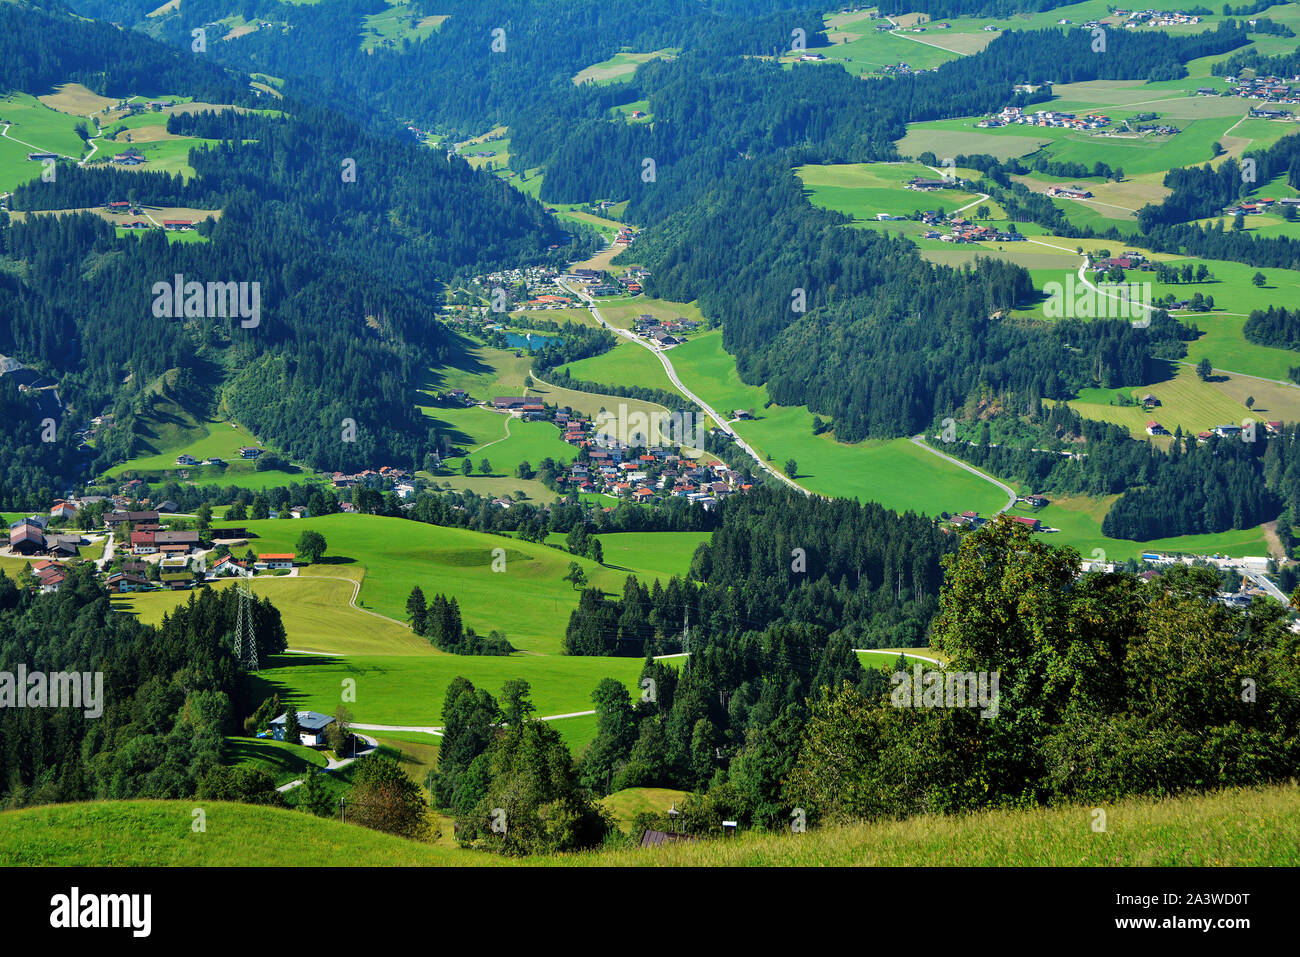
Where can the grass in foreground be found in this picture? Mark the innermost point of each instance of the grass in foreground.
(1248, 827)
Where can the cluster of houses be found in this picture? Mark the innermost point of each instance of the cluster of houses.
(964, 231)
(1156, 18)
(32, 536)
(972, 520)
(1014, 114)
(177, 553)
(385, 477)
(1271, 89)
(593, 280)
(1129, 260)
(663, 332)
(542, 291)
(645, 474)
(1222, 431)
(1257, 206)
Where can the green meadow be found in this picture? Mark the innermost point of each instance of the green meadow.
(864, 189)
(407, 690)
(282, 760)
(392, 555)
(1242, 827)
(893, 472)
(619, 67)
(396, 25)
(316, 611)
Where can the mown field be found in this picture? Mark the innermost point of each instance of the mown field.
(528, 601)
(408, 690)
(864, 189)
(1246, 827)
(893, 472)
(619, 67)
(315, 609)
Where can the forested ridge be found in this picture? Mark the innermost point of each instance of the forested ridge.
(169, 693)
(347, 270)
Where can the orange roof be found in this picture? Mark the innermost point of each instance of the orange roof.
(276, 557)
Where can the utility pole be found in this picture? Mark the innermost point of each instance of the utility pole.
(245, 634)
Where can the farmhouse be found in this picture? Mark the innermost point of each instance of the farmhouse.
(123, 582)
(311, 726)
(273, 561)
(131, 157)
(249, 452)
(26, 538)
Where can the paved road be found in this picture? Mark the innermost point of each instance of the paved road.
(335, 763)
(672, 376)
(1263, 581)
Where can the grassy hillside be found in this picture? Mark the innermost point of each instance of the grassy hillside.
(1232, 828)
(409, 690)
(394, 555)
(1229, 829)
(160, 834)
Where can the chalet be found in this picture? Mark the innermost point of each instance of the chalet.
(743, 414)
(130, 157)
(64, 510)
(229, 565)
(311, 728)
(927, 184)
(142, 543)
(1227, 431)
(123, 582)
(274, 561)
(1149, 401)
(249, 452)
(1028, 521)
(177, 224)
(1070, 192)
(186, 460)
(509, 403)
(213, 460)
(1155, 428)
(51, 578)
(135, 518)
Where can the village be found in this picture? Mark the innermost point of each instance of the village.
(1055, 118)
(145, 549)
(623, 467)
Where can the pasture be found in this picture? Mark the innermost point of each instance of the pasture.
(316, 611)
(864, 189)
(619, 67)
(892, 472)
(409, 691)
(529, 600)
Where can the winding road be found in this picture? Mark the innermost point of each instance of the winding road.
(677, 383)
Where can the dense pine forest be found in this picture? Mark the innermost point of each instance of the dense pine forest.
(169, 693)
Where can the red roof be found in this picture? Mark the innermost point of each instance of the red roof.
(278, 557)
